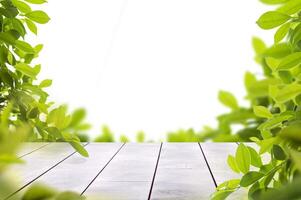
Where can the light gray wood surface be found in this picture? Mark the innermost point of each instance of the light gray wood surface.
(30, 147)
(129, 174)
(216, 155)
(40, 162)
(76, 172)
(129, 171)
(182, 173)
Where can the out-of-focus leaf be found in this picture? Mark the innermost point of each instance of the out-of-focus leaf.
(228, 100)
(272, 19)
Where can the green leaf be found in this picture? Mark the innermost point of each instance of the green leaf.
(45, 83)
(8, 38)
(228, 100)
(243, 158)
(288, 92)
(261, 111)
(272, 2)
(275, 121)
(24, 46)
(272, 19)
(291, 7)
(79, 148)
(266, 145)
(77, 116)
(69, 196)
(279, 50)
(250, 178)
(292, 132)
(38, 16)
(18, 26)
(221, 195)
(281, 32)
(278, 152)
(23, 7)
(36, 1)
(26, 69)
(140, 137)
(258, 45)
(232, 163)
(296, 157)
(31, 26)
(290, 61)
(39, 191)
(33, 113)
(255, 158)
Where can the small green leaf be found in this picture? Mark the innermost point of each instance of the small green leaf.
(250, 178)
(258, 45)
(39, 191)
(38, 16)
(281, 32)
(228, 99)
(272, 2)
(79, 148)
(291, 7)
(279, 50)
(278, 152)
(45, 83)
(36, 1)
(255, 158)
(290, 61)
(232, 163)
(24, 46)
(272, 19)
(18, 26)
(7, 37)
(26, 69)
(261, 111)
(69, 196)
(23, 7)
(33, 113)
(292, 132)
(275, 121)
(288, 92)
(31, 26)
(221, 195)
(243, 158)
(266, 144)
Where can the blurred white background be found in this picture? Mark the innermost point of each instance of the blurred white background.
(152, 65)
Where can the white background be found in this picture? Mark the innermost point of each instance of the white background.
(152, 65)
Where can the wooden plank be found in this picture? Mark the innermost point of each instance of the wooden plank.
(182, 173)
(129, 174)
(40, 162)
(29, 147)
(66, 175)
(216, 155)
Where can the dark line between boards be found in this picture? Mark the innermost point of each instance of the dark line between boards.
(30, 182)
(34, 150)
(155, 172)
(210, 171)
(102, 169)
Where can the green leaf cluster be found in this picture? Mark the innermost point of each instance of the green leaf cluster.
(273, 121)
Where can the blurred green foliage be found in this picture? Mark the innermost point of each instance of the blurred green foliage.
(273, 118)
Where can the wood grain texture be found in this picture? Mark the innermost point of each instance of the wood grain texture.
(129, 174)
(182, 173)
